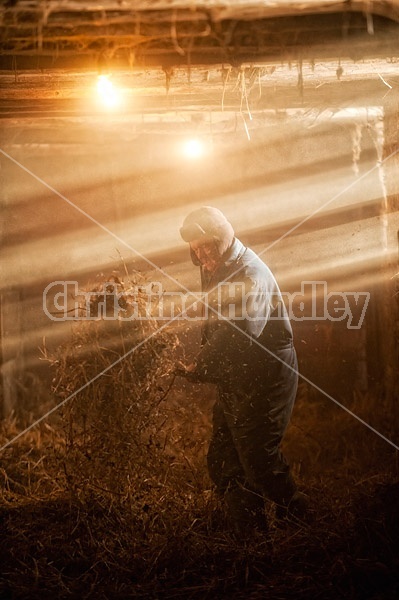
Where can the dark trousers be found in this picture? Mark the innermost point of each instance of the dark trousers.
(244, 456)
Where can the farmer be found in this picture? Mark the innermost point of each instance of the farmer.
(247, 350)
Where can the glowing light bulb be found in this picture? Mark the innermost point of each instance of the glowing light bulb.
(107, 93)
(194, 148)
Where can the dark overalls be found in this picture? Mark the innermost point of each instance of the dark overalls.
(248, 352)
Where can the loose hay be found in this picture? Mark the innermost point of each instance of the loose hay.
(110, 497)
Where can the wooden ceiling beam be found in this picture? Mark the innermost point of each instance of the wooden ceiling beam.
(171, 37)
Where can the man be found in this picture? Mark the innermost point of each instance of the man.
(247, 350)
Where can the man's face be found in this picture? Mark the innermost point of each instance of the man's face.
(207, 253)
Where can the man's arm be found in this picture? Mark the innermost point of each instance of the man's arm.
(220, 358)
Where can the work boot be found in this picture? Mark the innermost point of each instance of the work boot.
(246, 511)
(296, 509)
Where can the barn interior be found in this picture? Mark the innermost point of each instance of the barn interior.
(119, 117)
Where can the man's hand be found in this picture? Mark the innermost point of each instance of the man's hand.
(187, 371)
